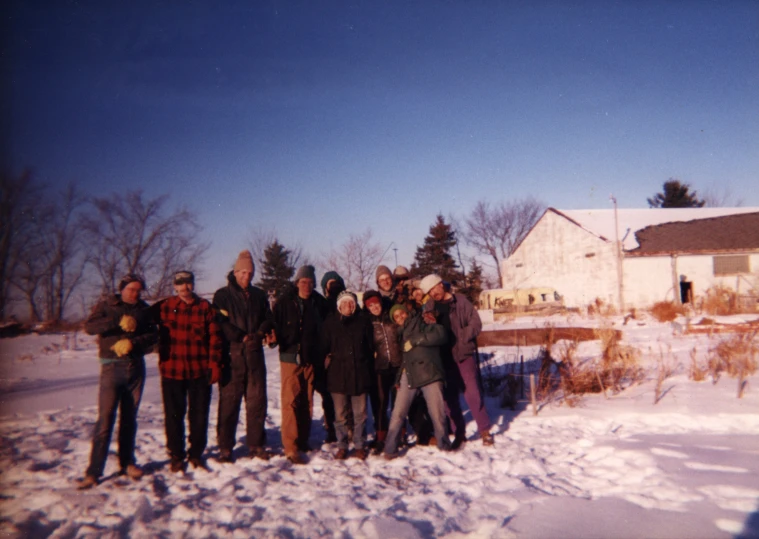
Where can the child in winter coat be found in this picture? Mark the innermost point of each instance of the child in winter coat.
(421, 371)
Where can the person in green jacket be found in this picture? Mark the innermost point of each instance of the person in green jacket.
(421, 372)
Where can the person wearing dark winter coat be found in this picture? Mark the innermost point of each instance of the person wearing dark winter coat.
(332, 286)
(460, 358)
(387, 359)
(349, 354)
(246, 323)
(298, 318)
(126, 332)
(421, 371)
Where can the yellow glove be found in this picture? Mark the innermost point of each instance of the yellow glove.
(128, 323)
(122, 347)
(407, 346)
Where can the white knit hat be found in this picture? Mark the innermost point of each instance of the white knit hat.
(346, 295)
(429, 282)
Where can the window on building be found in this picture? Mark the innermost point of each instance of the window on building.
(730, 265)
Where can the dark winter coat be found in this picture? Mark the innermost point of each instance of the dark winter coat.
(422, 364)
(465, 326)
(387, 349)
(240, 316)
(299, 332)
(350, 344)
(104, 322)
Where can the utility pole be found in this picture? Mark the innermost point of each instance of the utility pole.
(395, 249)
(620, 270)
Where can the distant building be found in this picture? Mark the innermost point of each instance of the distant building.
(666, 254)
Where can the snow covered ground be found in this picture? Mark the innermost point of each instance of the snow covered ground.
(620, 466)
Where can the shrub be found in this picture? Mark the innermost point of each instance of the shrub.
(666, 311)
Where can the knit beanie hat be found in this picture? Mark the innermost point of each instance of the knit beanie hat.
(332, 276)
(245, 262)
(346, 295)
(429, 282)
(131, 278)
(371, 295)
(395, 308)
(383, 270)
(305, 272)
(401, 272)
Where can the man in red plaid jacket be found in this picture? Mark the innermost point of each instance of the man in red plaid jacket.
(189, 353)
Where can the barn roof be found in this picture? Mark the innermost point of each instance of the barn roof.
(601, 222)
(727, 233)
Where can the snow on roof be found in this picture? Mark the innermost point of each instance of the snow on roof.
(601, 222)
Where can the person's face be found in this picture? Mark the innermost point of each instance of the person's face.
(385, 282)
(437, 292)
(375, 307)
(184, 290)
(400, 317)
(347, 307)
(418, 295)
(243, 277)
(131, 293)
(305, 286)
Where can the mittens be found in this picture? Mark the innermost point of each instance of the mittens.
(122, 347)
(128, 323)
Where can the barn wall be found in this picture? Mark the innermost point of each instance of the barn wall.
(559, 254)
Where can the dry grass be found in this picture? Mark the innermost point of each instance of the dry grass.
(568, 378)
(720, 301)
(666, 365)
(697, 371)
(666, 311)
(601, 308)
(735, 355)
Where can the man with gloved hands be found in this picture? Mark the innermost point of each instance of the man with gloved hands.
(125, 333)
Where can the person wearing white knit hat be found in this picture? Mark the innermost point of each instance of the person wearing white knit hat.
(460, 356)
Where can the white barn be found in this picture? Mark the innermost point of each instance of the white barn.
(575, 252)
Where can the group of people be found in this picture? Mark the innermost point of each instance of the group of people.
(410, 351)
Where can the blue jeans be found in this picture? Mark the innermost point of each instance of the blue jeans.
(433, 396)
(358, 404)
(121, 384)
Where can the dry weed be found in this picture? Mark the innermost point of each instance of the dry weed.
(720, 300)
(697, 371)
(666, 365)
(735, 355)
(666, 311)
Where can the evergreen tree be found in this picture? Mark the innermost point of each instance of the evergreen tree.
(435, 255)
(675, 195)
(277, 269)
(473, 283)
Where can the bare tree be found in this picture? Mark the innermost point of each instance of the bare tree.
(356, 260)
(496, 231)
(54, 256)
(720, 196)
(18, 198)
(130, 234)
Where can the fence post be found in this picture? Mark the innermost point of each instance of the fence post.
(532, 395)
(521, 376)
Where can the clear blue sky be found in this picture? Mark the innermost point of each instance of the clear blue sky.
(320, 119)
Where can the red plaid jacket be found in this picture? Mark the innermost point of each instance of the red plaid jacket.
(189, 339)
